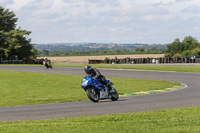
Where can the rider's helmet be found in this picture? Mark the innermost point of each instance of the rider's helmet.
(88, 69)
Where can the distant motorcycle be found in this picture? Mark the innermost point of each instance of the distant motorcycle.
(97, 91)
(48, 64)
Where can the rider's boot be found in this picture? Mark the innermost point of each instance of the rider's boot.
(109, 87)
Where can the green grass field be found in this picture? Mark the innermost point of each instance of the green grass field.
(26, 88)
(186, 120)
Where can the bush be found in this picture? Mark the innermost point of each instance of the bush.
(196, 52)
(168, 55)
(187, 53)
(177, 55)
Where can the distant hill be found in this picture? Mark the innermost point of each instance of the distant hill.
(72, 49)
(86, 46)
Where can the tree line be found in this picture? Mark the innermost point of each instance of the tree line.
(98, 49)
(97, 52)
(188, 47)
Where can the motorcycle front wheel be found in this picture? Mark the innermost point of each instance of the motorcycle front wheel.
(114, 95)
(92, 94)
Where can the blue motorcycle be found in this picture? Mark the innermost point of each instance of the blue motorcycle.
(97, 91)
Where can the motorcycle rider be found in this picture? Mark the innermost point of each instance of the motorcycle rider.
(45, 61)
(95, 74)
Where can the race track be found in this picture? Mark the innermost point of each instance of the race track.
(187, 97)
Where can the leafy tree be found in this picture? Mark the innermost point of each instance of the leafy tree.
(174, 47)
(7, 20)
(187, 53)
(35, 53)
(190, 43)
(177, 55)
(196, 52)
(168, 55)
(139, 49)
(105, 51)
(45, 52)
(118, 51)
(184, 48)
(13, 41)
(153, 49)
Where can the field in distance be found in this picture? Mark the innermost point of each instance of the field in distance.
(84, 59)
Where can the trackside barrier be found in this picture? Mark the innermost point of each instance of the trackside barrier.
(95, 61)
(197, 60)
(10, 62)
(159, 60)
(24, 61)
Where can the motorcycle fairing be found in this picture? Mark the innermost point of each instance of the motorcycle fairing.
(95, 83)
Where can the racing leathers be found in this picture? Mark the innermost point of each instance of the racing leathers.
(95, 74)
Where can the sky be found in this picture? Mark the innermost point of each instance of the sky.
(107, 21)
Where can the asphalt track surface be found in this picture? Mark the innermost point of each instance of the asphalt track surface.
(185, 97)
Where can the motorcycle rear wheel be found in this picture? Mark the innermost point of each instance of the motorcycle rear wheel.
(92, 94)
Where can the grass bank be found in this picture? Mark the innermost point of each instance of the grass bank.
(26, 88)
(185, 120)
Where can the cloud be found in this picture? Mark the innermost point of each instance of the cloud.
(122, 21)
(38, 5)
(16, 4)
(6, 2)
(192, 9)
(182, 0)
(155, 2)
(147, 11)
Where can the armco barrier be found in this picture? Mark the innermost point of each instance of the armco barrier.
(147, 60)
(24, 61)
(95, 61)
(197, 60)
(10, 62)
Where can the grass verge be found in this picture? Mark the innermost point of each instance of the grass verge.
(185, 120)
(26, 88)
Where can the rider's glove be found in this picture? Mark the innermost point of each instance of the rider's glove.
(93, 78)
